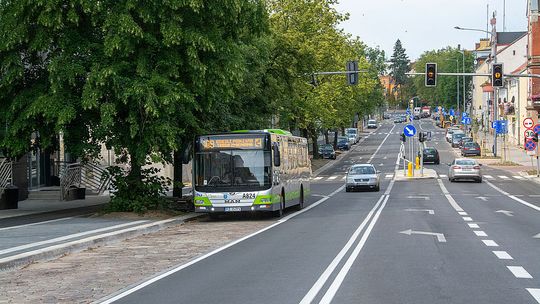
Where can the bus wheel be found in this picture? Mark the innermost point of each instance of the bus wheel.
(279, 212)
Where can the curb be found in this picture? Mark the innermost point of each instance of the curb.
(56, 251)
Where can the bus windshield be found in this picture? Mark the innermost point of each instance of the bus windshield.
(233, 170)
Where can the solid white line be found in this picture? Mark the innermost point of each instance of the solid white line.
(332, 290)
(462, 213)
(490, 243)
(467, 219)
(315, 289)
(517, 199)
(67, 237)
(535, 293)
(503, 255)
(183, 266)
(480, 233)
(519, 272)
(382, 143)
(37, 223)
(473, 226)
(450, 199)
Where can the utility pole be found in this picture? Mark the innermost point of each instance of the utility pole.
(495, 89)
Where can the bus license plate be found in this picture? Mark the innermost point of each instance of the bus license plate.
(231, 209)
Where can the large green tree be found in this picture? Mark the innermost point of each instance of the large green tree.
(399, 65)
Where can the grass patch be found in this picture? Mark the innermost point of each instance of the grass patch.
(531, 172)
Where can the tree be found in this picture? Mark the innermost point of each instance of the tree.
(399, 66)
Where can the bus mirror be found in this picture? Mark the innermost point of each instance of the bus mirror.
(277, 156)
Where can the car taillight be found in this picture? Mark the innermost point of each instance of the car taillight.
(465, 148)
(456, 167)
(476, 167)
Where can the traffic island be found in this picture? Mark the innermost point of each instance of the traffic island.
(401, 175)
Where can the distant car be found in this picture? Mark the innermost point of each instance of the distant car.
(450, 132)
(372, 124)
(471, 148)
(386, 116)
(465, 168)
(431, 155)
(456, 138)
(464, 140)
(327, 151)
(343, 143)
(362, 176)
(416, 117)
(353, 135)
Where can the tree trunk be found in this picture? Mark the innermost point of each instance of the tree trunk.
(314, 137)
(335, 139)
(326, 139)
(177, 173)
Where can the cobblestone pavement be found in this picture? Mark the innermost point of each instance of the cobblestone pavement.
(90, 275)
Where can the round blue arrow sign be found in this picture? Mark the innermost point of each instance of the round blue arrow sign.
(409, 130)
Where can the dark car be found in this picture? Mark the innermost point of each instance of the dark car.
(431, 155)
(471, 148)
(456, 137)
(416, 117)
(327, 151)
(343, 143)
(464, 140)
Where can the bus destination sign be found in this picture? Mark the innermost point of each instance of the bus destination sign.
(216, 143)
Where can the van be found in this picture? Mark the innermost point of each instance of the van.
(352, 134)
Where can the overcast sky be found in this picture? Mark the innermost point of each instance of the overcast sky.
(423, 25)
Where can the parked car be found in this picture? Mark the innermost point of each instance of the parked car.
(471, 148)
(353, 135)
(362, 176)
(431, 155)
(450, 132)
(343, 143)
(372, 124)
(464, 140)
(465, 168)
(327, 151)
(456, 138)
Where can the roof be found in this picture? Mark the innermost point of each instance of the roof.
(509, 37)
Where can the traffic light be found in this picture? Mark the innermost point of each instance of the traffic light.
(497, 75)
(352, 78)
(403, 137)
(421, 137)
(431, 74)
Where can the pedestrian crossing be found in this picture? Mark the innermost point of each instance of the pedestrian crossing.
(398, 133)
(388, 176)
(335, 178)
(494, 178)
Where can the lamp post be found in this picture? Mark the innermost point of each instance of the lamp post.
(493, 60)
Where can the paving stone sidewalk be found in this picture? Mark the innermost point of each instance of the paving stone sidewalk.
(95, 273)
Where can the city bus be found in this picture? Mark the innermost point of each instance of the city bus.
(265, 170)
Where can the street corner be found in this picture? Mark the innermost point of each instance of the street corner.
(401, 175)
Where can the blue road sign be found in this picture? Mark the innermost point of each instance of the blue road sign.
(501, 126)
(466, 120)
(530, 145)
(409, 130)
(452, 112)
(536, 129)
(464, 114)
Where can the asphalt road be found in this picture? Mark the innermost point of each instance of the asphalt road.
(418, 241)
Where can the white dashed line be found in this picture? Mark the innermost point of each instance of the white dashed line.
(535, 293)
(519, 272)
(518, 177)
(443, 175)
(467, 219)
(504, 177)
(480, 233)
(490, 243)
(473, 226)
(318, 178)
(332, 177)
(462, 213)
(343, 178)
(389, 176)
(503, 255)
(488, 176)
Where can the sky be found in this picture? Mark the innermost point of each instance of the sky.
(424, 25)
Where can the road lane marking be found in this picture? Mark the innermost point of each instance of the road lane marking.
(490, 243)
(315, 289)
(517, 199)
(503, 255)
(504, 177)
(443, 175)
(518, 177)
(318, 178)
(389, 176)
(471, 225)
(332, 290)
(440, 236)
(467, 219)
(535, 293)
(37, 223)
(430, 211)
(488, 176)
(344, 178)
(519, 272)
(462, 213)
(332, 177)
(68, 237)
(480, 233)
(450, 199)
(379, 147)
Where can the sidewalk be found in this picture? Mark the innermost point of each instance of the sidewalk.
(507, 153)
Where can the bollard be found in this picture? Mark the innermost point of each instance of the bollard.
(418, 163)
(410, 170)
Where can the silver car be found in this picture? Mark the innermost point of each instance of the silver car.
(465, 168)
(362, 176)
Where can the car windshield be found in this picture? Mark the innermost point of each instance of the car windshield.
(372, 121)
(343, 139)
(457, 136)
(471, 145)
(465, 162)
(351, 131)
(429, 151)
(327, 148)
(362, 170)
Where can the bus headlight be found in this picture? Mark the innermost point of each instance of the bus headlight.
(199, 202)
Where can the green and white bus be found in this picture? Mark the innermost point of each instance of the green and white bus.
(266, 170)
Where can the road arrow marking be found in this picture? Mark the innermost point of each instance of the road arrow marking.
(537, 236)
(482, 198)
(505, 212)
(419, 197)
(430, 211)
(440, 236)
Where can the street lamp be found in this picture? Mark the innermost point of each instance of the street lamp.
(495, 89)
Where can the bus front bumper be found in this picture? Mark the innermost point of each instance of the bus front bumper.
(211, 209)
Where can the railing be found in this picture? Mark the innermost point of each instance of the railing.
(6, 174)
(87, 175)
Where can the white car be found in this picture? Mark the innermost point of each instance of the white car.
(372, 124)
(362, 176)
(465, 168)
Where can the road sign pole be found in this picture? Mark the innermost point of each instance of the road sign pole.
(495, 114)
